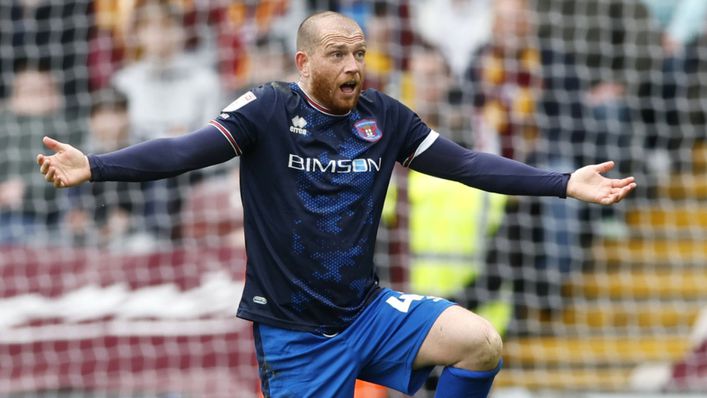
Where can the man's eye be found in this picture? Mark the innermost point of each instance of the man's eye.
(360, 54)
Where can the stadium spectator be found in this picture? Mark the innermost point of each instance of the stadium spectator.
(28, 210)
(54, 33)
(644, 121)
(681, 22)
(112, 41)
(108, 215)
(107, 41)
(457, 27)
(428, 87)
(169, 93)
(320, 318)
(382, 30)
(241, 26)
(672, 97)
(616, 62)
(268, 60)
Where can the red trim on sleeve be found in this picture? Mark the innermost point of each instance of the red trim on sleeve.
(231, 140)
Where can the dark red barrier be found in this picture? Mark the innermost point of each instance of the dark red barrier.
(160, 322)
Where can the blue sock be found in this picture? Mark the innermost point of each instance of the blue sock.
(462, 383)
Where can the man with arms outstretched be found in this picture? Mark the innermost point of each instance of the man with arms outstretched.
(316, 159)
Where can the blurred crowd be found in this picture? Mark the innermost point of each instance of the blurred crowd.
(554, 83)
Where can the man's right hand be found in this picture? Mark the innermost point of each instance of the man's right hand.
(68, 166)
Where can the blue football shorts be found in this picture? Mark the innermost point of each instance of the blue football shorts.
(380, 346)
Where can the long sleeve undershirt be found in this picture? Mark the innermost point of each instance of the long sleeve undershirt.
(162, 158)
(493, 173)
(168, 157)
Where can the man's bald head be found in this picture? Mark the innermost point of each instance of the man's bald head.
(309, 34)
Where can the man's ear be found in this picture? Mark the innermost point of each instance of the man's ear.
(302, 63)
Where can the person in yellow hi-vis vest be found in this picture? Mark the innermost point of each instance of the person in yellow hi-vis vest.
(448, 227)
(454, 216)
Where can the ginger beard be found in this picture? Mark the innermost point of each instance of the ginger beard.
(338, 94)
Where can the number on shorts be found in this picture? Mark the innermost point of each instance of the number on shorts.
(403, 303)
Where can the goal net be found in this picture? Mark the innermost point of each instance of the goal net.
(130, 289)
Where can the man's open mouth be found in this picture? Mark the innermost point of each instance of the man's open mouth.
(348, 87)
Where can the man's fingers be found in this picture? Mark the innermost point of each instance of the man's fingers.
(626, 186)
(608, 200)
(50, 175)
(627, 189)
(604, 167)
(612, 199)
(45, 167)
(54, 178)
(623, 192)
(617, 194)
(52, 144)
(623, 182)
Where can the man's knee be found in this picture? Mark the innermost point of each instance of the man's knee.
(492, 348)
(461, 339)
(483, 348)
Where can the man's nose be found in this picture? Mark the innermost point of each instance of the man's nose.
(351, 65)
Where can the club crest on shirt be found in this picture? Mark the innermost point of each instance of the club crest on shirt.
(368, 130)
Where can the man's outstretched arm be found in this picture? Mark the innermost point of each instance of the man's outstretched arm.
(150, 160)
(489, 172)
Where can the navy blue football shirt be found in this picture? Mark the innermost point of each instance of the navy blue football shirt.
(313, 186)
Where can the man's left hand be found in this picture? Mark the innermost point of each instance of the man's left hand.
(588, 184)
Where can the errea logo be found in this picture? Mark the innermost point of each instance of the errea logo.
(298, 124)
